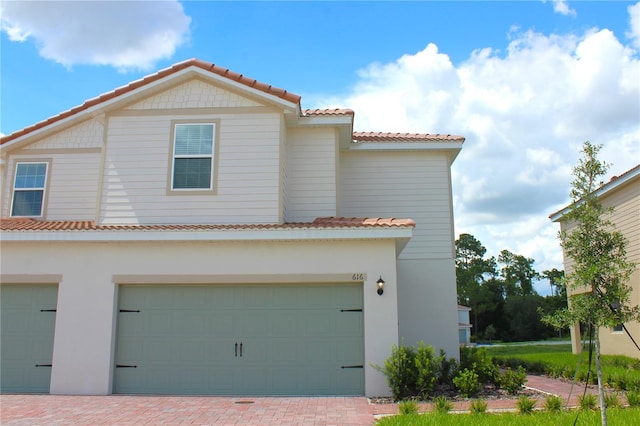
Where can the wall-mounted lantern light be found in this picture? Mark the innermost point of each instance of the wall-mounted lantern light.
(380, 284)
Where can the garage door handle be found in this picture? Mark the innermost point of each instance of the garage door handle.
(240, 349)
(236, 349)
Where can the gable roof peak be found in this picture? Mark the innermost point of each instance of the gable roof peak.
(148, 79)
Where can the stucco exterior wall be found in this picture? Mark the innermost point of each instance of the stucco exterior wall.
(427, 304)
(89, 275)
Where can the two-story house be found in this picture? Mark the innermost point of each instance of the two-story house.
(622, 194)
(197, 232)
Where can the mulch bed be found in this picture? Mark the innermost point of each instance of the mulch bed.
(488, 392)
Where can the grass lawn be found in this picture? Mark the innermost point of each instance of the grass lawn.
(619, 372)
(618, 417)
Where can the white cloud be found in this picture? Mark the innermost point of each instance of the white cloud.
(525, 110)
(561, 7)
(123, 34)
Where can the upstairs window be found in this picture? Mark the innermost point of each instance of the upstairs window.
(193, 157)
(28, 189)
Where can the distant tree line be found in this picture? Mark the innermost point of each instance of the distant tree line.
(500, 292)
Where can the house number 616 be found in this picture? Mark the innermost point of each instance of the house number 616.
(357, 277)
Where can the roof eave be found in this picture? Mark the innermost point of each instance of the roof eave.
(616, 183)
(401, 234)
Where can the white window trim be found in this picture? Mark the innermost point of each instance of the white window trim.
(47, 164)
(211, 156)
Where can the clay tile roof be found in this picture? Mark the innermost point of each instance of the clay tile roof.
(403, 137)
(363, 221)
(29, 224)
(333, 111)
(224, 72)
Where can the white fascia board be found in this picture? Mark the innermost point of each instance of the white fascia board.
(608, 187)
(325, 120)
(215, 235)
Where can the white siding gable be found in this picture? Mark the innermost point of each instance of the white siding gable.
(194, 94)
(87, 134)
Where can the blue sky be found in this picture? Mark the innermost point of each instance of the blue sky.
(526, 82)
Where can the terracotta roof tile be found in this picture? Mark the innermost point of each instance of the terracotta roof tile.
(28, 224)
(402, 137)
(224, 72)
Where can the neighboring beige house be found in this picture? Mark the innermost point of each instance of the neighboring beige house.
(197, 232)
(464, 325)
(623, 194)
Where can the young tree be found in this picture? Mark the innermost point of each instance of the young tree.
(600, 268)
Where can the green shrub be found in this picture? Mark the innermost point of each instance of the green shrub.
(587, 401)
(447, 368)
(612, 400)
(442, 404)
(426, 369)
(526, 404)
(408, 408)
(467, 383)
(478, 406)
(553, 403)
(512, 381)
(478, 360)
(633, 398)
(400, 371)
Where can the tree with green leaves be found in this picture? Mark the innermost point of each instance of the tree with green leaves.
(472, 269)
(518, 274)
(600, 269)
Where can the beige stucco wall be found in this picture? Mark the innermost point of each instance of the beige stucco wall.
(89, 274)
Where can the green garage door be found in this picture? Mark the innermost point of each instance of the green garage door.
(240, 340)
(27, 321)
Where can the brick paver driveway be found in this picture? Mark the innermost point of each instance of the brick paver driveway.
(179, 410)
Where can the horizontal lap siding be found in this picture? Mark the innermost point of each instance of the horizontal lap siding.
(626, 215)
(138, 163)
(412, 185)
(71, 184)
(311, 174)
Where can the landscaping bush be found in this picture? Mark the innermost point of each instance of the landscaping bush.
(526, 404)
(408, 408)
(400, 371)
(587, 401)
(553, 403)
(442, 404)
(467, 383)
(633, 398)
(513, 380)
(477, 360)
(612, 400)
(427, 366)
(447, 368)
(478, 406)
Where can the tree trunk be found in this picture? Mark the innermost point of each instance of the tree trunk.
(603, 406)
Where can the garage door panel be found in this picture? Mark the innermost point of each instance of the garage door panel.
(27, 324)
(294, 340)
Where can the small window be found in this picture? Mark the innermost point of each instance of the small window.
(193, 157)
(617, 329)
(28, 189)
